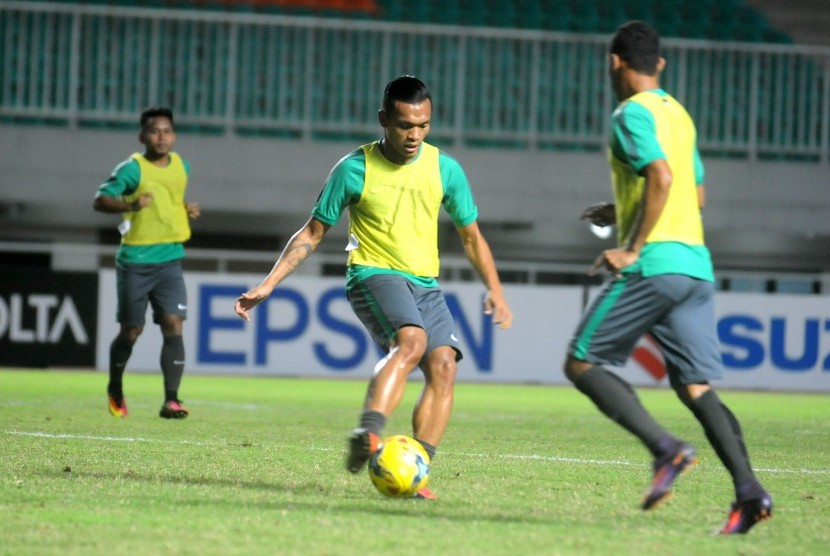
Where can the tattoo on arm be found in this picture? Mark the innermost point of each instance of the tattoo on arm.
(296, 254)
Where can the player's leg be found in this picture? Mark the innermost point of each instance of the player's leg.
(121, 349)
(387, 386)
(439, 365)
(690, 346)
(169, 300)
(432, 412)
(386, 307)
(625, 309)
(132, 293)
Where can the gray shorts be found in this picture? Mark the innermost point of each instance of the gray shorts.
(162, 285)
(386, 302)
(678, 311)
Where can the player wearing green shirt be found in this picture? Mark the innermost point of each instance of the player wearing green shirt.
(394, 190)
(148, 190)
(662, 281)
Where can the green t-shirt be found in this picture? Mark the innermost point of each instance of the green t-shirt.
(123, 182)
(345, 185)
(636, 141)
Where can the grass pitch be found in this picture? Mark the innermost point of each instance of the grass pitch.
(258, 469)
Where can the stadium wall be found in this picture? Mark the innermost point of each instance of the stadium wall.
(759, 215)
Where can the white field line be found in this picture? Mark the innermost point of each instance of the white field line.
(533, 457)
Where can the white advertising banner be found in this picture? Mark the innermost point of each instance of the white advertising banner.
(306, 328)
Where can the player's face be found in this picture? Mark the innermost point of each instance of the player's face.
(158, 137)
(404, 129)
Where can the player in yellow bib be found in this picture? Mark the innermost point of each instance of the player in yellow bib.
(148, 190)
(394, 190)
(662, 281)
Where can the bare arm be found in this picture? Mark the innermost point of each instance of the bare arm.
(701, 196)
(655, 194)
(114, 205)
(299, 247)
(478, 252)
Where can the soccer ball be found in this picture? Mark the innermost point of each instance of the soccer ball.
(400, 468)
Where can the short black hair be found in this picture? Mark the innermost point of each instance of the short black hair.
(148, 113)
(405, 88)
(638, 44)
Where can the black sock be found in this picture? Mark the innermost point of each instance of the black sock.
(120, 352)
(614, 397)
(372, 421)
(172, 366)
(430, 449)
(724, 434)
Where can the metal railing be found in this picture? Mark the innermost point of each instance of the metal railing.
(316, 78)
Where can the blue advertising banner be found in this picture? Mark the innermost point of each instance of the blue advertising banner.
(307, 328)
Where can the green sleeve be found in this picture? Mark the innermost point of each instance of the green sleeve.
(458, 198)
(123, 180)
(700, 172)
(634, 136)
(343, 187)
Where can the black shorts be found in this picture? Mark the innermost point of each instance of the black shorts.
(386, 302)
(161, 285)
(677, 310)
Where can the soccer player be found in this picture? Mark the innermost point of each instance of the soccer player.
(148, 190)
(662, 281)
(394, 189)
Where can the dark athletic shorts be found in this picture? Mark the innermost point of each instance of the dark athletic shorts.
(677, 310)
(161, 285)
(386, 302)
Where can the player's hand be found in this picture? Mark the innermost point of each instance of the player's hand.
(601, 214)
(194, 211)
(614, 260)
(494, 304)
(144, 200)
(249, 300)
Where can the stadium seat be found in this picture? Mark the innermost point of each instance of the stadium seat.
(501, 13)
(556, 15)
(473, 12)
(584, 16)
(611, 15)
(530, 14)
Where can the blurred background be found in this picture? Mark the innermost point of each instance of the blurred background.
(269, 94)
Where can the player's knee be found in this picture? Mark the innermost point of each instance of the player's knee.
(573, 368)
(441, 367)
(171, 325)
(688, 393)
(412, 344)
(129, 335)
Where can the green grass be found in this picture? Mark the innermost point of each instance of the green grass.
(258, 469)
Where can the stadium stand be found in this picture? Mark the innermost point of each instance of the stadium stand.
(244, 69)
(724, 20)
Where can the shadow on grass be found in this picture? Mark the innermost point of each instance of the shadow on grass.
(331, 499)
